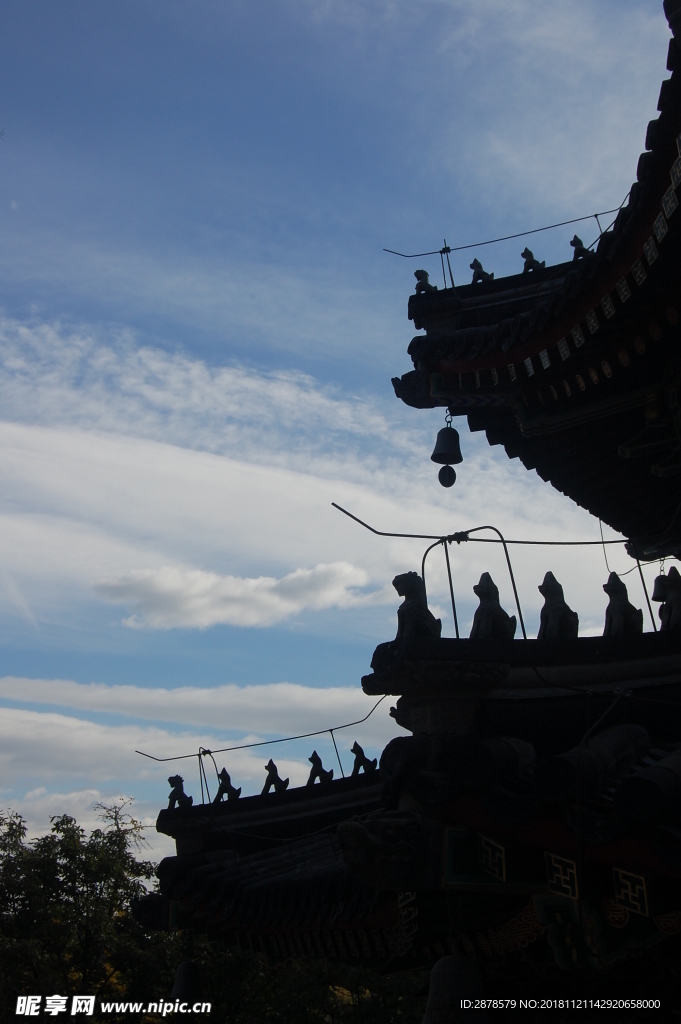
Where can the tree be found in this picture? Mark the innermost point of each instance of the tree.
(65, 920)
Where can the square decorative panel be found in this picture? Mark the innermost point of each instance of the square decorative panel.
(650, 250)
(630, 891)
(492, 858)
(608, 306)
(529, 367)
(545, 361)
(577, 336)
(669, 202)
(495, 377)
(676, 172)
(563, 349)
(623, 289)
(511, 371)
(638, 272)
(592, 321)
(562, 875)
(660, 227)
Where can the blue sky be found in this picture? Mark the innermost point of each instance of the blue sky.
(198, 328)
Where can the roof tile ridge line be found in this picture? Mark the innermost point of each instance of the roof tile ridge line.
(606, 292)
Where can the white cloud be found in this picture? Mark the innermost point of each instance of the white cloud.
(270, 709)
(171, 597)
(78, 749)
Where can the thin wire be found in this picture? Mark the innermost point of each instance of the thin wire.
(265, 743)
(463, 536)
(423, 560)
(447, 251)
(645, 591)
(202, 774)
(451, 591)
(506, 238)
(627, 571)
(610, 224)
(603, 543)
(640, 572)
(340, 763)
(205, 777)
(214, 764)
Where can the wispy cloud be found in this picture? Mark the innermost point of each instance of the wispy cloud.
(75, 748)
(272, 709)
(106, 380)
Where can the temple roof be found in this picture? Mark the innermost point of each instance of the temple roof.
(575, 368)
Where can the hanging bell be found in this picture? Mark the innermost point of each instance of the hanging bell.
(447, 451)
(660, 588)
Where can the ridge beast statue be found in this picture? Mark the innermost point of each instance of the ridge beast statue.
(490, 621)
(318, 771)
(178, 797)
(226, 788)
(620, 615)
(273, 779)
(414, 618)
(556, 618)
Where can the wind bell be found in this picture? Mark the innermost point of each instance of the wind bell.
(447, 452)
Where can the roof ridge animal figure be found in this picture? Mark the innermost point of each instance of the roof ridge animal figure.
(414, 618)
(178, 797)
(530, 262)
(318, 771)
(490, 621)
(422, 282)
(362, 761)
(670, 611)
(581, 251)
(273, 779)
(479, 274)
(620, 616)
(556, 619)
(226, 788)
